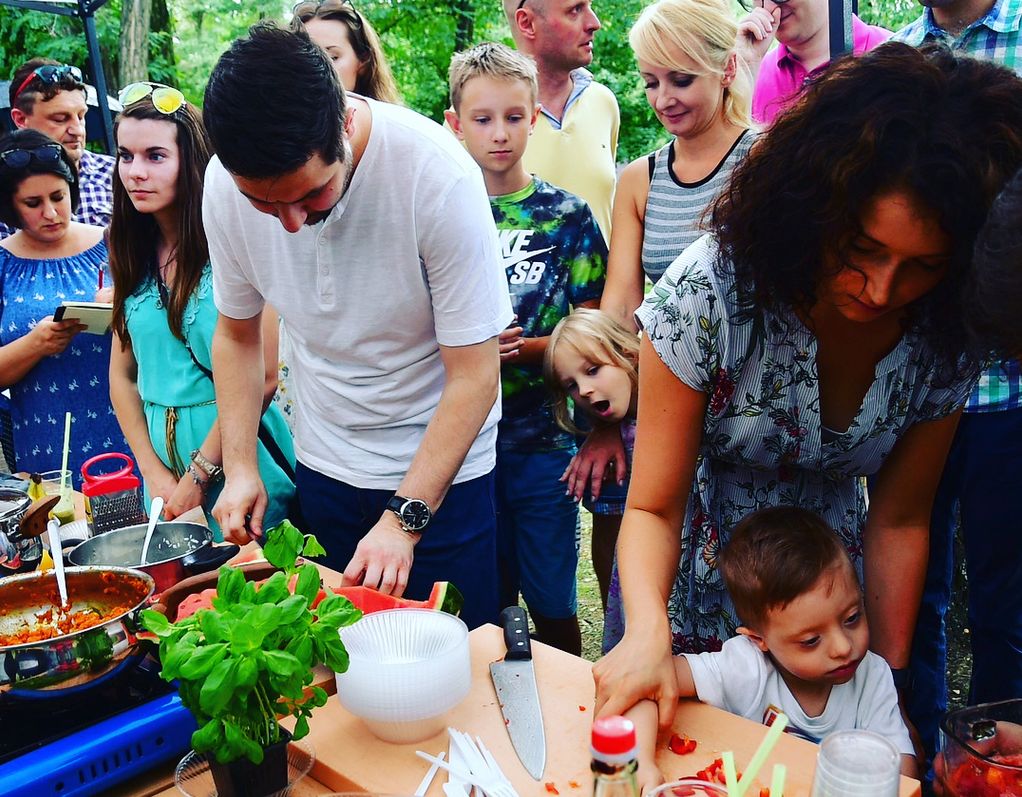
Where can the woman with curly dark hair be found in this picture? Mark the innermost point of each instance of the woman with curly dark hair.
(816, 336)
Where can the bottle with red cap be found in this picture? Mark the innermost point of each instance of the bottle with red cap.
(615, 758)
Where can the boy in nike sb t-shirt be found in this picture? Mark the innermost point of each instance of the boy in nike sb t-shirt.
(556, 259)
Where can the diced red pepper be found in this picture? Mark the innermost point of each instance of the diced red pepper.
(764, 793)
(551, 788)
(681, 745)
(581, 708)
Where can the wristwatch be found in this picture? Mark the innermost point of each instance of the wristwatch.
(413, 513)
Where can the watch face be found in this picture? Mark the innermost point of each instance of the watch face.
(415, 514)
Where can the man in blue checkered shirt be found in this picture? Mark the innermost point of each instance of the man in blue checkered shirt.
(50, 97)
(982, 482)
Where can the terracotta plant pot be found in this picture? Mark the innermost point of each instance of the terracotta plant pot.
(242, 778)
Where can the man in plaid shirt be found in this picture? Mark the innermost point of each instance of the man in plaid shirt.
(982, 482)
(50, 97)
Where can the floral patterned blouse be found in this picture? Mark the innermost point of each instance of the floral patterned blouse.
(763, 444)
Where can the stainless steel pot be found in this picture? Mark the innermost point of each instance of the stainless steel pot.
(176, 551)
(70, 660)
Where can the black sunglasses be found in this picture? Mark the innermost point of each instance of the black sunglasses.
(20, 158)
(50, 74)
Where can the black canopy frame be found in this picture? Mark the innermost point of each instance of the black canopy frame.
(85, 10)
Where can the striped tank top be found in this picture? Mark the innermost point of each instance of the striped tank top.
(674, 209)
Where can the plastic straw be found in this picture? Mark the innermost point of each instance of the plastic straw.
(64, 475)
(764, 750)
(777, 783)
(730, 776)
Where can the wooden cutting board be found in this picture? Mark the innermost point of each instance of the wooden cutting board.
(348, 757)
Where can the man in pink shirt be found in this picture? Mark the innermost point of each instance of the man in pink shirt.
(802, 52)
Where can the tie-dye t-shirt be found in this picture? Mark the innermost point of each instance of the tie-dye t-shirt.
(555, 259)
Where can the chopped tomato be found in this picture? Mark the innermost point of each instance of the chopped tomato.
(551, 788)
(681, 745)
(581, 708)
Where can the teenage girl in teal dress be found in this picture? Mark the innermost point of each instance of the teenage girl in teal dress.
(160, 367)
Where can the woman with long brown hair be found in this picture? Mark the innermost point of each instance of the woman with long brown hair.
(352, 45)
(161, 383)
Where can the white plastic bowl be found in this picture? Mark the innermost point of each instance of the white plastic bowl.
(408, 668)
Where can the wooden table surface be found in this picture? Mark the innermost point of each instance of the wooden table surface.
(349, 758)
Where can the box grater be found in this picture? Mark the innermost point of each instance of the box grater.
(114, 499)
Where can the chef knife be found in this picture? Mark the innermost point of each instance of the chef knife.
(514, 680)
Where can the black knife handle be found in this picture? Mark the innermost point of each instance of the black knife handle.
(516, 634)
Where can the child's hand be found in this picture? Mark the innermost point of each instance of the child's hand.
(510, 341)
(649, 775)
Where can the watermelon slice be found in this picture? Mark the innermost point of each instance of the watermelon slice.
(444, 597)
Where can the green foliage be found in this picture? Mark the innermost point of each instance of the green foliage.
(891, 14)
(250, 658)
(419, 36)
(28, 34)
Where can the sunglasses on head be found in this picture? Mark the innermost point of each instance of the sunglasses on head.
(50, 75)
(20, 158)
(165, 99)
(311, 8)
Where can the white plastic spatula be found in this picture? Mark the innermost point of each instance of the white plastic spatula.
(57, 554)
(154, 517)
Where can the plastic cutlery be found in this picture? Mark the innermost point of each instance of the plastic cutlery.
(428, 778)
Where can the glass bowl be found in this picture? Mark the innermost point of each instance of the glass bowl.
(193, 778)
(982, 750)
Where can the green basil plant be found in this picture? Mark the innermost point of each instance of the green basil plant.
(250, 658)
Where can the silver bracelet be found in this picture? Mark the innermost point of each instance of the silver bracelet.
(202, 483)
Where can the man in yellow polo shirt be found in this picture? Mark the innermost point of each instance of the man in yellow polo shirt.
(575, 140)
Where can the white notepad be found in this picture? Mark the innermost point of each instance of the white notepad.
(95, 315)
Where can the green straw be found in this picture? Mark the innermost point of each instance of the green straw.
(764, 750)
(777, 784)
(730, 777)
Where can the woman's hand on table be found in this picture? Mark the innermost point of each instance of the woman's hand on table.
(602, 450)
(636, 668)
(54, 336)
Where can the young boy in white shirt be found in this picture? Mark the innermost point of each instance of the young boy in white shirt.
(803, 648)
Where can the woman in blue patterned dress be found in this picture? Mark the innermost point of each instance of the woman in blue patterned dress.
(160, 368)
(815, 337)
(49, 367)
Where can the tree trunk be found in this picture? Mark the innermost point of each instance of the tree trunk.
(135, 22)
(464, 31)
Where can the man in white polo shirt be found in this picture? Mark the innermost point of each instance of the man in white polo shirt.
(383, 261)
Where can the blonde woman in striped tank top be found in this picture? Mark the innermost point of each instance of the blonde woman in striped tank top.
(702, 94)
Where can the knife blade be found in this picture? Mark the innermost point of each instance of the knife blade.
(514, 680)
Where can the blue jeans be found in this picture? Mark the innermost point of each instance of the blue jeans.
(460, 544)
(537, 532)
(982, 481)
